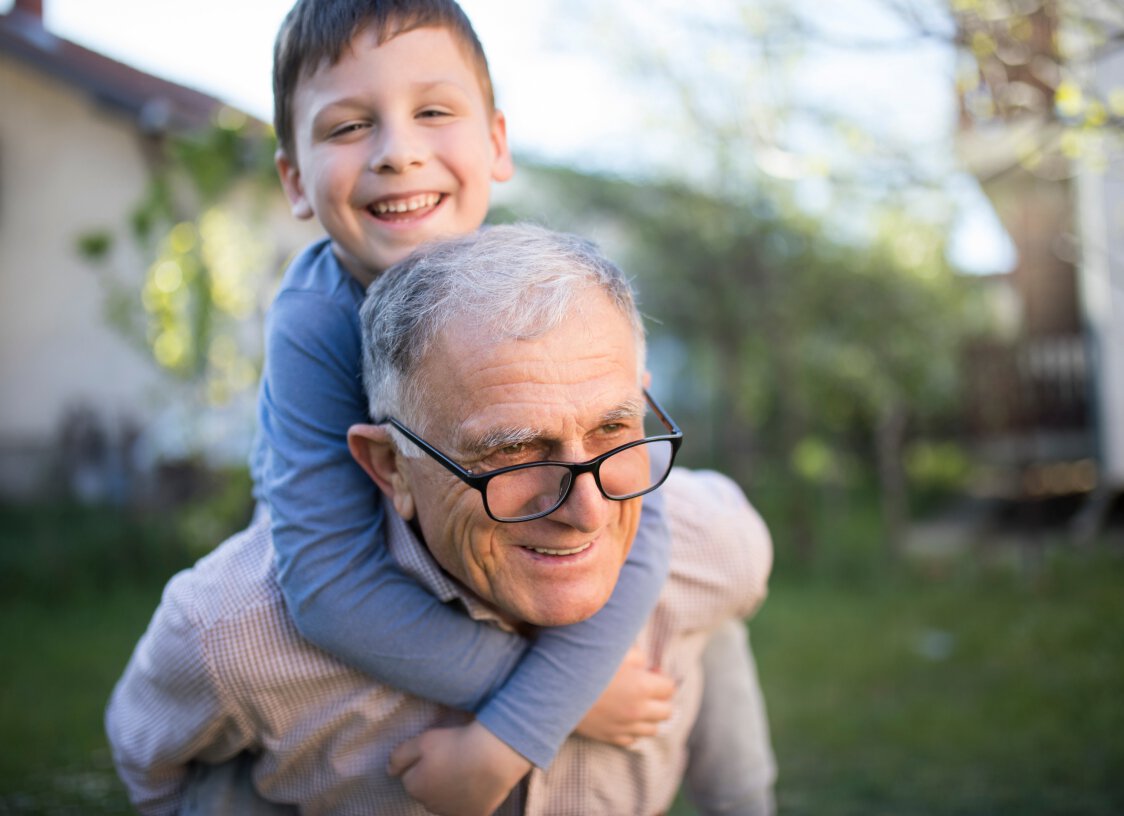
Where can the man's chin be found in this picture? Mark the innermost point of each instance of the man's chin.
(562, 612)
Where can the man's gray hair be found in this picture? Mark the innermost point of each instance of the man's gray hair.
(510, 282)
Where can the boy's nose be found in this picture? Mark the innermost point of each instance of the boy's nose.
(397, 150)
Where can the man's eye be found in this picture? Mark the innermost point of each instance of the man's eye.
(516, 453)
(614, 429)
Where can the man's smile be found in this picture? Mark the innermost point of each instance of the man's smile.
(556, 553)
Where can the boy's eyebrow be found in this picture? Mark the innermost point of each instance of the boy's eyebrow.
(440, 83)
(331, 108)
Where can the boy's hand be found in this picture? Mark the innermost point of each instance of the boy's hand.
(635, 703)
(461, 771)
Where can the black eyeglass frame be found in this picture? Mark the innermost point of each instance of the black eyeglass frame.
(479, 481)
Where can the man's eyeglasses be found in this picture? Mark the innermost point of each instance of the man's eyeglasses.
(535, 489)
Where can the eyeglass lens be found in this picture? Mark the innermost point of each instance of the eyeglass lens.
(537, 490)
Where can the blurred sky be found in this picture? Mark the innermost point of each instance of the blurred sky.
(564, 103)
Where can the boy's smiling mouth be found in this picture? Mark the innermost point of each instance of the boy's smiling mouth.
(405, 208)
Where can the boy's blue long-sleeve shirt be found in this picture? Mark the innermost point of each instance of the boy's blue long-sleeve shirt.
(343, 589)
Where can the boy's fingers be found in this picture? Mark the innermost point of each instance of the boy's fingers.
(657, 712)
(660, 686)
(634, 657)
(404, 757)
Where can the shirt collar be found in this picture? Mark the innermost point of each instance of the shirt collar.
(417, 562)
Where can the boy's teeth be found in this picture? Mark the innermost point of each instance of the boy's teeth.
(573, 551)
(404, 205)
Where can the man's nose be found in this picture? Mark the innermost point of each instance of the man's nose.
(398, 148)
(586, 508)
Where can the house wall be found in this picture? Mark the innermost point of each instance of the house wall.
(1101, 209)
(65, 168)
(73, 390)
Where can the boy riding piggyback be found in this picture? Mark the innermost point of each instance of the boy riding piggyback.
(389, 136)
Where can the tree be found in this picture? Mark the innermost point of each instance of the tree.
(210, 258)
(1039, 63)
(799, 252)
(794, 362)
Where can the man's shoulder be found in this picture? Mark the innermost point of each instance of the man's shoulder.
(235, 581)
(707, 498)
(231, 606)
(721, 551)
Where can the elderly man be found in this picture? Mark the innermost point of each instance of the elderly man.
(506, 379)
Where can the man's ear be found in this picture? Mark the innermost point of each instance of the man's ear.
(294, 188)
(372, 448)
(647, 380)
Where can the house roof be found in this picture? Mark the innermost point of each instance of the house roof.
(157, 105)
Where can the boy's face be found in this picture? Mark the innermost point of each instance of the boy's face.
(395, 146)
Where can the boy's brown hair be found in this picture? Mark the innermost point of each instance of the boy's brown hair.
(316, 33)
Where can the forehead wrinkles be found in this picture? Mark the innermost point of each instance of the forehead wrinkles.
(498, 436)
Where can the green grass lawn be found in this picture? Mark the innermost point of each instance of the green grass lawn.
(974, 697)
(981, 693)
(62, 660)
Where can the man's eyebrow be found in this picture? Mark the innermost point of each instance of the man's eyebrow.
(496, 438)
(629, 409)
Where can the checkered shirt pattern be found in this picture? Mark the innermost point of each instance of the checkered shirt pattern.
(222, 669)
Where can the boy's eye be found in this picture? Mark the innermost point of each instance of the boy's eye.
(346, 129)
(433, 113)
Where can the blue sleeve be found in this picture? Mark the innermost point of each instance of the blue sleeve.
(569, 667)
(342, 587)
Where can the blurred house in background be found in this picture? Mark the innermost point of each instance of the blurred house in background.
(1045, 400)
(80, 138)
(1100, 212)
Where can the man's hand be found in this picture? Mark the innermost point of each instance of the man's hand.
(462, 771)
(635, 703)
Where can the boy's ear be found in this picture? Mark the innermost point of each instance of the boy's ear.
(371, 447)
(294, 188)
(503, 168)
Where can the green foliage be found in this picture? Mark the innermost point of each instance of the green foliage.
(50, 553)
(209, 258)
(95, 246)
(1040, 62)
(206, 521)
(779, 350)
(942, 466)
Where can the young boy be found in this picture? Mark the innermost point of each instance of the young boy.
(388, 135)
